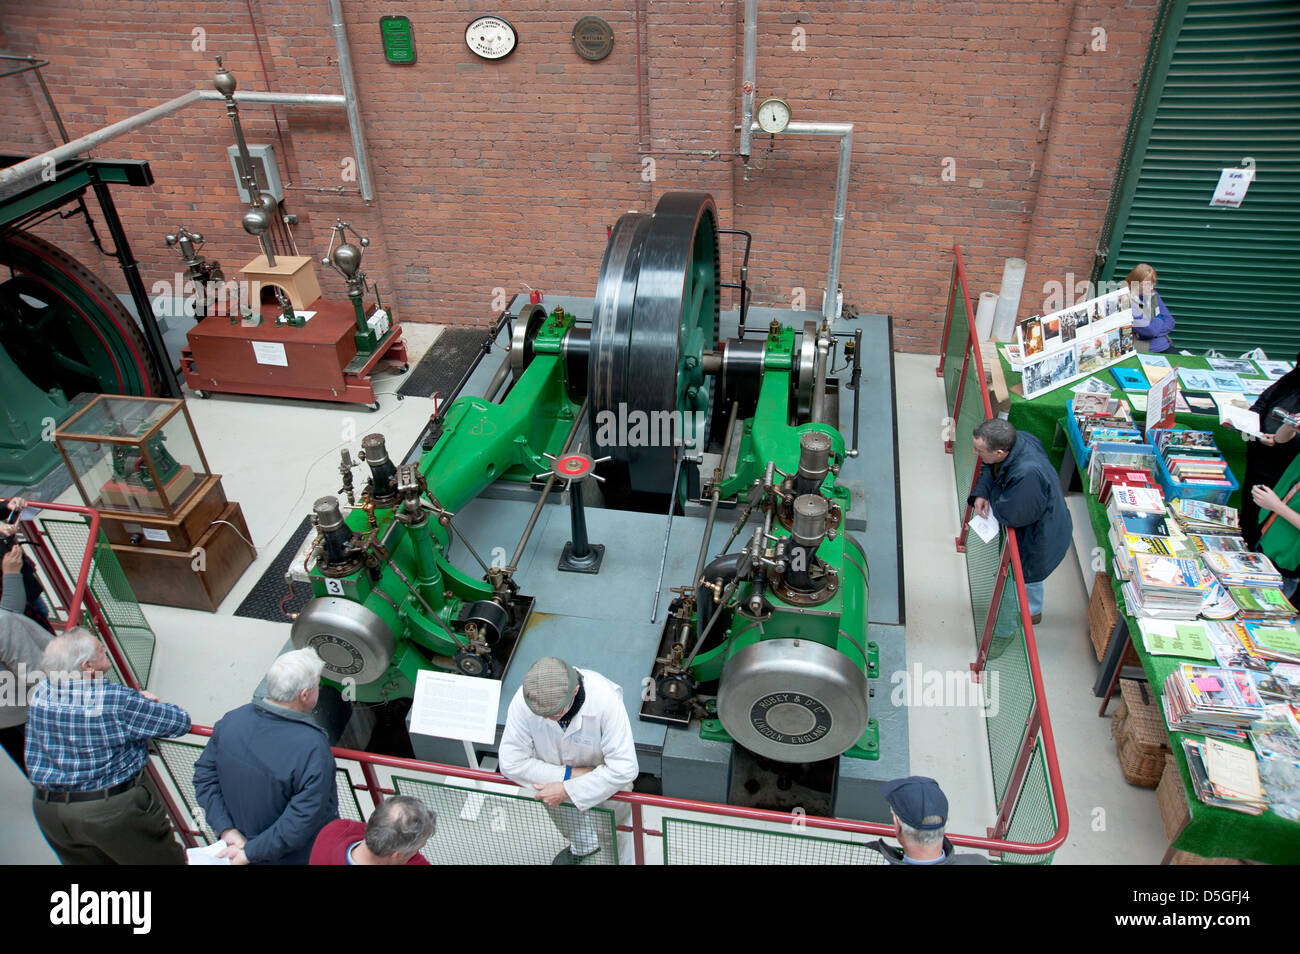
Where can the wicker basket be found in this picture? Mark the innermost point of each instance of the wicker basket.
(1102, 614)
(1172, 799)
(1140, 737)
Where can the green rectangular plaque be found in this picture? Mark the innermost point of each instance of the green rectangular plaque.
(399, 40)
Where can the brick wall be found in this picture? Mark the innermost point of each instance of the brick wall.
(994, 124)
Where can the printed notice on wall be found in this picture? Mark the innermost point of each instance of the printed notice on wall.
(270, 352)
(1232, 187)
(451, 706)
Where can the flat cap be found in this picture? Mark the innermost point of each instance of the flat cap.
(549, 686)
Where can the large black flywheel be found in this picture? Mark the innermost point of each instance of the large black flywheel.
(656, 314)
(65, 328)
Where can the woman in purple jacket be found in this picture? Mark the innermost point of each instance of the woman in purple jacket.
(1152, 321)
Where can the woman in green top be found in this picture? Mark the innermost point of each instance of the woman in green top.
(1280, 540)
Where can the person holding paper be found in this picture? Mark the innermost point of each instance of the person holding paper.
(266, 777)
(35, 608)
(1268, 457)
(568, 739)
(1019, 485)
(1152, 322)
(1280, 536)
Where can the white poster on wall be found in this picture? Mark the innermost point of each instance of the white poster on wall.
(1232, 187)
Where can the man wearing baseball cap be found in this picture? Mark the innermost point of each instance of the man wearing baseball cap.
(920, 811)
(568, 739)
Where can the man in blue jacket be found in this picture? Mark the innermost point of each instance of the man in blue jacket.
(1018, 483)
(266, 777)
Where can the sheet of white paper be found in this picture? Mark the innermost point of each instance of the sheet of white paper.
(451, 706)
(206, 854)
(985, 527)
(270, 352)
(305, 315)
(1232, 187)
(1245, 421)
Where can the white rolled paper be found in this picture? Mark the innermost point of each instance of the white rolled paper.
(984, 315)
(1008, 307)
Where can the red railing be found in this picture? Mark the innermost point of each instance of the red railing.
(368, 762)
(73, 596)
(638, 802)
(1038, 719)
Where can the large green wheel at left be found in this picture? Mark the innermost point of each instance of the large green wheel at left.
(65, 328)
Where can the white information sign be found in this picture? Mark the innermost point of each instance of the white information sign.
(1232, 187)
(270, 352)
(157, 536)
(451, 706)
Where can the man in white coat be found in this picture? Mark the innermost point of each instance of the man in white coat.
(567, 736)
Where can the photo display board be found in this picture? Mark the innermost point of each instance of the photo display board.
(1075, 342)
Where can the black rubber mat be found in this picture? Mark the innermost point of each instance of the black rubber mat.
(444, 363)
(263, 600)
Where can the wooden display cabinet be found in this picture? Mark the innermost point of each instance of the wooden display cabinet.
(138, 461)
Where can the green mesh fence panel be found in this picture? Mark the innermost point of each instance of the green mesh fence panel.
(965, 419)
(1008, 690)
(110, 588)
(477, 827)
(1034, 817)
(178, 760)
(691, 842)
(954, 353)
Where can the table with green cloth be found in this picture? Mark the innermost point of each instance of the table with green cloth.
(1211, 832)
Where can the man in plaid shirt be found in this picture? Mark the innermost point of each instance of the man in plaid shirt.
(87, 745)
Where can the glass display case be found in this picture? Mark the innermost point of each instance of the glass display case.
(134, 455)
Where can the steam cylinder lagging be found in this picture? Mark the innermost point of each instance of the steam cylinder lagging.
(383, 473)
(814, 462)
(806, 535)
(334, 531)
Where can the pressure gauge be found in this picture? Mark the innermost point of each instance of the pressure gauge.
(773, 115)
(491, 37)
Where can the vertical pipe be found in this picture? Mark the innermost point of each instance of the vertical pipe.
(131, 269)
(837, 226)
(350, 98)
(581, 548)
(747, 76)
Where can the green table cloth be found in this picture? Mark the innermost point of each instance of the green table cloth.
(1212, 832)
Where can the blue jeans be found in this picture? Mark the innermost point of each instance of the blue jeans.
(1035, 593)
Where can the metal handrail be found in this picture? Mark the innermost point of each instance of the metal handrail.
(642, 801)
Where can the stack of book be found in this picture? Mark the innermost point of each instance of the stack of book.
(1261, 602)
(1103, 418)
(1164, 587)
(1242, 568)
(1132, 457)
(1136, 510)
(1218, 701)
(1199, 517)
(1268, 640)
(1191, 457)
(1225, 776)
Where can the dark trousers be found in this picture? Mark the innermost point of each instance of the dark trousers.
(126, 829)
(12, 740)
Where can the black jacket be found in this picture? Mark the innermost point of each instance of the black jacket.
(1025, 493)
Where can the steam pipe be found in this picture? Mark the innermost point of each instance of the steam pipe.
(350, 96)
(844, 132)
(747, 76)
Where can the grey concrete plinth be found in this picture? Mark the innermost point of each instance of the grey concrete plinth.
(695, 768)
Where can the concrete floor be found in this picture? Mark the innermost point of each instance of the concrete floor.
(278, 456)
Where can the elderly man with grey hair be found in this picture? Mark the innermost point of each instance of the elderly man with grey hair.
(394, 836)
(920, 812)
(87, 745)
(265, 779)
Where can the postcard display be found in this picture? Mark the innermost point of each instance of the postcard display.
(1075, 342)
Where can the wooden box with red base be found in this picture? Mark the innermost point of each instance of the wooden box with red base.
(198, 578)
(318, 361)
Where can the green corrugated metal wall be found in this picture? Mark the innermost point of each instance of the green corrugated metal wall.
(1222, 83)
